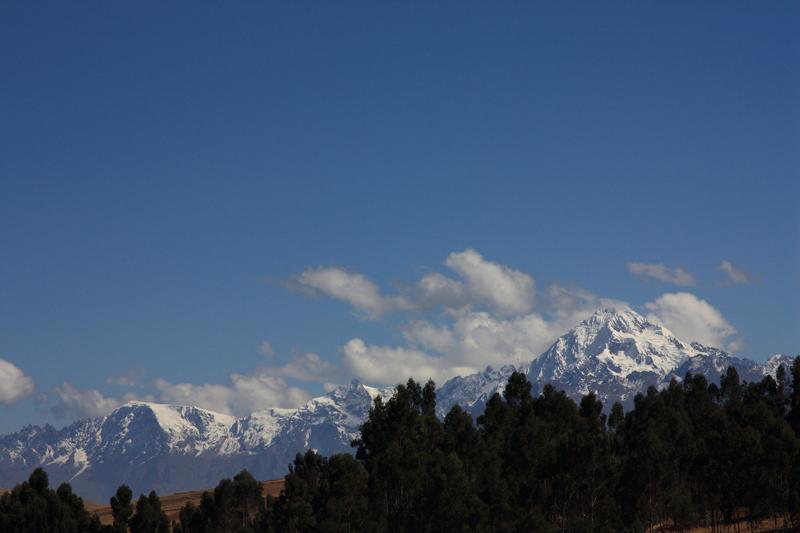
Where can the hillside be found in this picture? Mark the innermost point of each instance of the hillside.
(173, 503)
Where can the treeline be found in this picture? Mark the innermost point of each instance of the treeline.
(692, 454)
(33, 507)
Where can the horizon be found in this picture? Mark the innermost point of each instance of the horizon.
(250, 207)
(519, 367)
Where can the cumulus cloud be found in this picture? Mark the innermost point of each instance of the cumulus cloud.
(241, 395)
(306, 367)
(351, 287)
(244, 394)
(439, 338)
(81, 403)
(479, 282)
(500, 288)
(14, 384)
(567, 306)
(464, 341)
(656, 271)
(472, 341)
(693, 319)
(735, 275)
(390, 365)
(487, 340)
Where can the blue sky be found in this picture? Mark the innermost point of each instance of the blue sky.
(179, 183)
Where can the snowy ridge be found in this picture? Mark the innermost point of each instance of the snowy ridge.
(473, 391)
(171, 448)
(773, 363)
(615, 354)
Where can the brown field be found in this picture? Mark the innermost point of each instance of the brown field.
(173, 503)
(740, 526)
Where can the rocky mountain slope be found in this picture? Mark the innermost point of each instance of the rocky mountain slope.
(173, 448)
(614, 353)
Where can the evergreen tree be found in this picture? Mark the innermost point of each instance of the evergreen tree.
(149, 517)
(121, 507)
(235, 505)
(793, 416)
(32, 507)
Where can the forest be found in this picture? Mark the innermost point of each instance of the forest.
(692, 454)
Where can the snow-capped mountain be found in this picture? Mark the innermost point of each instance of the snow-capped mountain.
(614, 353)
(713, 363)
(773, 363)
(172, 448)
(471, 392)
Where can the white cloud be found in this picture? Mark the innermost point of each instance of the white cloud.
(567, 306)
(82, 403)
(676, 276)
(306, 367)
(261, 391)
(486, 340)
(14, 384)
(735, 275)
(473, 341)
(351, 287)
(387, 365)
(500, 288)
(438, 338)
(244, 394)
(330, 387)
(465, 341)
(265, 347)
(693, 319)
(437, 289)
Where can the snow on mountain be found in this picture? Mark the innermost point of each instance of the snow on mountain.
(613, 353)
(713, 363)
(777, 360)
(188, 430)
(171, 448)
(473, 391)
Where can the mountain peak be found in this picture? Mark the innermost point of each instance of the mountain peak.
(614, 349)
(778, 360)
(356, 392)
(625, 319)
(181, 427)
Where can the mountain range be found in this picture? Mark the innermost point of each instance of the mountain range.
(171, 448)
